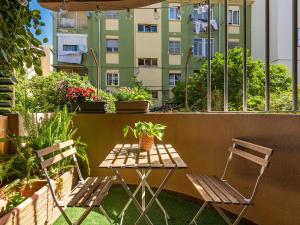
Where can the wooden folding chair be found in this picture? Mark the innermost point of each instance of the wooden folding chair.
(216, 191)
(88, 193)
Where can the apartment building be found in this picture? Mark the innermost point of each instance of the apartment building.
(280, 32)
(152, 43)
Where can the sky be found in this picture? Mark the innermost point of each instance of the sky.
(47, 19)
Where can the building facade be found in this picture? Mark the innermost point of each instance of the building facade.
(280, 32)
(151, 43)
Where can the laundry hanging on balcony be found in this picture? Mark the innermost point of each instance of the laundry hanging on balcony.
(201, 26)
(70, 57)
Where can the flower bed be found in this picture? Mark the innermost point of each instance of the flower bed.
(39, 208)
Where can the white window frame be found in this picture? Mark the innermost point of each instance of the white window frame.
(173, 81)
(203, 48)
(175, 50)
(144, 28)
(151, 62)
(230, 17)
(113, 50)
(152, 94)
(112, 14)
(115, 76)
(172, 16)
(65, 45)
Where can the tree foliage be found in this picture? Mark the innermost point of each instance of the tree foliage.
(280, 86)
(19, 48)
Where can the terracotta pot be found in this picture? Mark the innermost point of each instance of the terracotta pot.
(29, 189)
(132, 107)
(146, 142)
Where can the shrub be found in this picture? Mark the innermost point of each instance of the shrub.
(132, 94)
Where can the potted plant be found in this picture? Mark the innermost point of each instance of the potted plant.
(146, 131)
(85, 100)
(132, 100)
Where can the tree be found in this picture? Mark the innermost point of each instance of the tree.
(197, 90)
(19, 48)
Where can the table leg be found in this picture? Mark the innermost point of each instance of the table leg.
(143, 190)
(144, 212)
(134, 194)
(137, 204)
(152, 193)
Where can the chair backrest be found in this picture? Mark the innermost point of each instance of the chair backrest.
(253, 152)
(246, 149)
(68, 148)
(53, 155)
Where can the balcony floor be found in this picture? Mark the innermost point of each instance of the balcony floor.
(180, 209)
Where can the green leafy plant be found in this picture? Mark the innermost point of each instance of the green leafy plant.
(132, 94)
(280, 85)
(146, 128)
(14, 199)
(19, 48)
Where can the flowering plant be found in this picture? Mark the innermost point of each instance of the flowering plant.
(78, 94)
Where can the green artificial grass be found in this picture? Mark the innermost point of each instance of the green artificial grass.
(180, 209)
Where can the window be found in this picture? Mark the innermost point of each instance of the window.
(233, 44)
(201, 47)
(234, 17)
(112, 15)
(147, 28)
(154, 94)
(201, 12)
(112, 45)
(73, 48)
(147, 62)
(112, 79)
(174, 47)
(174, 78)
(174, 13)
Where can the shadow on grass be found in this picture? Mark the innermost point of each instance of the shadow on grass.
(180, 209)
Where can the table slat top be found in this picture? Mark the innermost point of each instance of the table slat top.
(130, 156)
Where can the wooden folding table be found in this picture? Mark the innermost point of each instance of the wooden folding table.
(129, 156)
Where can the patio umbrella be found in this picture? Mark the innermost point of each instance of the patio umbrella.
(90, 5)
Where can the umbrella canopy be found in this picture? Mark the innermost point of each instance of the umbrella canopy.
(93, 5)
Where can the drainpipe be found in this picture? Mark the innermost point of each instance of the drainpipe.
(219, 22)
(97, 68)
(187, 78)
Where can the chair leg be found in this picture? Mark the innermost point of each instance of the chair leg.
(238, 219)
(84, 215)
(222, 214)
(65, 215)
(198, 213)
(102, 210)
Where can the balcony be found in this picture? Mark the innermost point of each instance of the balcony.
(72, 22)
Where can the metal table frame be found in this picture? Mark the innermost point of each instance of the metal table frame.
(143, 208)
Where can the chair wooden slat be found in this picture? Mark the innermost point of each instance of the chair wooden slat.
(166, 160)
(209, 190)
(249, 156)
(227, 192)
(89, 191)
(175, 157)
(214, 190)
(54, 148)
(101, 192)
(217, 190)
(199, 188)
(254, 147)
(57, 158)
